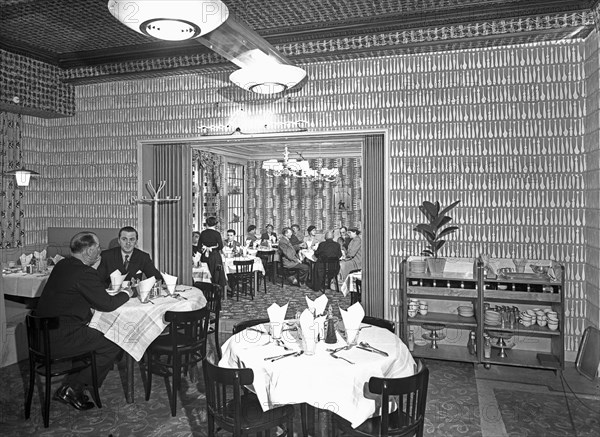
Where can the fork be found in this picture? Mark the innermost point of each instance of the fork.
(340, 358)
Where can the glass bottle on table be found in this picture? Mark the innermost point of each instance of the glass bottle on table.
(411, 341)
(487, 347)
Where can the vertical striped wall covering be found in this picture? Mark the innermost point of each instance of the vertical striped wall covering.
(282, 202)
(592, 182)
(12, 230)
(499, 128)
(373, 256)
(173, 165)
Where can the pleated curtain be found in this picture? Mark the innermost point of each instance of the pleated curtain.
(172, 164)
(373, 256)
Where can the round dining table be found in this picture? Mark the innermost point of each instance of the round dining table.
(321, 380)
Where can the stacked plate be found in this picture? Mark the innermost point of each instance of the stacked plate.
(417, 266)
(466, 311)
(492, 318)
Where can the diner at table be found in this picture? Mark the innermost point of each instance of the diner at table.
(72, 291)
(290, 259)
(251, 237)
(230, 241)
(326, 249)
(296, 239)
(352, 260)
(127, 259)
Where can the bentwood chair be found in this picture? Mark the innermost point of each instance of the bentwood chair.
(183, 347)
(243, 278)
(240, 326)
(212, 293)
(43, 362)
(410, 394)
(382, 323)
(239, 411)
(356, 296)
(268, 260)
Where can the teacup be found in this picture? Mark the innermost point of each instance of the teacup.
(552, 326)
(542, 321)
(412, 313)
(525, 323)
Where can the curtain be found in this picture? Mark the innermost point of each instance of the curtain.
(11, 156)
(173, 227)
(373, 292)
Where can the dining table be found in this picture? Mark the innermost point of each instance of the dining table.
(334, 382)
(135, 325)
(349, 284)
(25, 285)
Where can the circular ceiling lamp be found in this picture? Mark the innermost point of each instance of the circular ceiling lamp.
(176, 20)
(269, 79)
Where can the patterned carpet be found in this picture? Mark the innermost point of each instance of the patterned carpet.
(547, 414)
(452, 407)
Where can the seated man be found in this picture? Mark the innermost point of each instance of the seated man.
(289, 258)
(72, 290)
(297, 238)
(344, 238)
(127, 259)
(230, 241)
(326, 249)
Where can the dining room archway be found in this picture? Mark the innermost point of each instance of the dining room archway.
(172, 161)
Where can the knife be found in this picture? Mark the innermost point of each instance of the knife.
(277, 357)
(295, 354)
(372, 349)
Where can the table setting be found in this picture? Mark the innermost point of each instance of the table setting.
(337, 356)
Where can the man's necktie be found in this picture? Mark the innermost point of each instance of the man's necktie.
(126, 263)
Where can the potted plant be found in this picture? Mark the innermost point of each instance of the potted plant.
(435, 231)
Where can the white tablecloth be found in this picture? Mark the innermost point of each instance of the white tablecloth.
(230, 267)
(201, 273)
(307, 254)
(348, 285)
(24, 284)
(320, 380)
(133, 326)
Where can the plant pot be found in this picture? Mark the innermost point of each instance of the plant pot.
(436, 265)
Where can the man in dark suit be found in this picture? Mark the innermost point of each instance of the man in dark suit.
(127, 259)
(289, 258)
(326, 249)
(70, 293)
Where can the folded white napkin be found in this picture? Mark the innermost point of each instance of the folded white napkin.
(318, 305)
(196, 258)
(353, 316)
(40, 255)
(308, 326)
(145, 286)
(116, 278)
(56, 258)
(277, 313)
(25, 259)
(170, 282)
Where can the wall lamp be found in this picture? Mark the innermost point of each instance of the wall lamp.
(22, 176)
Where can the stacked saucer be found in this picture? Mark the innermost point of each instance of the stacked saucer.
(417, 266)
(466, 311)
(492, 318)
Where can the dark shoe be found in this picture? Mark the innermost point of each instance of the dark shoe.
(293, 281)
(69, 396)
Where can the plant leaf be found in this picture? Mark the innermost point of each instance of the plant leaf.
(447, 231)
(450, 207)
(430, 210)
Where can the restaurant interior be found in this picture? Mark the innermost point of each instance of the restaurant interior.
(383, 104)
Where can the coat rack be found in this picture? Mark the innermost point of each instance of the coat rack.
(155, 200)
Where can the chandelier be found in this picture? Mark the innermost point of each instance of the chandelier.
(293, 168)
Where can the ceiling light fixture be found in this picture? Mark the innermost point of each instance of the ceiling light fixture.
(175, 20)
(293, 168)
(22, 176)
(268, 79)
